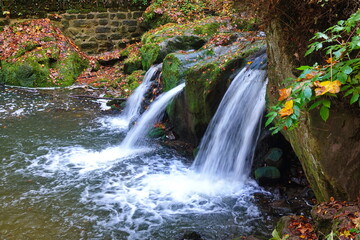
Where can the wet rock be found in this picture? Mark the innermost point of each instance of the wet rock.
(274, 157)
(267, 174)
(192, 236)
(156, 133)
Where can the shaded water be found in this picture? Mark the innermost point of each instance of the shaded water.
(64, 176)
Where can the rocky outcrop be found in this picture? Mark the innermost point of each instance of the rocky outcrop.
(329, 151)
(207, 73)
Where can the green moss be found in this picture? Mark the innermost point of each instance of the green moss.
(70, 68)
(149, 54)
(132, 63)
(207, 29)
(27, 74)
(171, 72)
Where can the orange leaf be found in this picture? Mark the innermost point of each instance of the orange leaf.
(327, 86)
(288, 109)
(284, 93)
(310, 75)
(329, 60)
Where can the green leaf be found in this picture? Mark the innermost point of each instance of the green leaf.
(324, 112)
(307, 92)
(347, 70)
(303, 67)
(326, 103)
(310, 50)
(270, 119)
(354, 98)
(315, 104)
(348, 92)
(322, 35)
(342, 77)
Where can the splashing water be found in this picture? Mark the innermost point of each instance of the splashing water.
(133, 104)
(149, 118)
(228, 145)
(64, 174)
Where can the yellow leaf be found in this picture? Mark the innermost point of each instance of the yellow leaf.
(284, 93)
(288, 109)
(345, 233)
(327, 86)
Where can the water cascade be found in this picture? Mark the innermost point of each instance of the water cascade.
(150, 117)
(227, 148)
(133, 103)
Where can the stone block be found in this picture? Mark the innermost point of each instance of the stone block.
(102, 30)
(129, 15)
(69, 16)
(121, 16)
(81, 16)
(132, 29)
(101, 37)
(74, 31)
(80, 23)
(130, 23)
(112, 16)
(115, 23)
(102, 15)
(90, 16)
(103, 22)
(89, 45)
(136, 15)
(116, 36)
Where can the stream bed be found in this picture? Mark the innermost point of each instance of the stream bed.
(65, 176)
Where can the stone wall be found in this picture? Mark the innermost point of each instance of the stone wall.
(102, 31)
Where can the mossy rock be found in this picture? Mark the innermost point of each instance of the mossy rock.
(43, 57)
(34, 70)
(160, 42)
(207, 74)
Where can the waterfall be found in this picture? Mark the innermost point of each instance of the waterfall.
(149, 118)
(133, 103)
(227, 148)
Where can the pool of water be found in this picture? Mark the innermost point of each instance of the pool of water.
(65, 176)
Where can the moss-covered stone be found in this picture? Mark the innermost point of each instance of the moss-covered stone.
(149, 54)
(43, 57)
(207, 73)
(160, 42)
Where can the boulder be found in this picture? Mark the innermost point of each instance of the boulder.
(207, 74)
(274, 157)
(268, 173)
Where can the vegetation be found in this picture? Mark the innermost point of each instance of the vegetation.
(318, 84)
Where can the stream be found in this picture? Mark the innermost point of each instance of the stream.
(65, 175)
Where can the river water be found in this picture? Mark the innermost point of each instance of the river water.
(64, 175)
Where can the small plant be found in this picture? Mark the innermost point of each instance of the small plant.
(318, 83)
(276, 236)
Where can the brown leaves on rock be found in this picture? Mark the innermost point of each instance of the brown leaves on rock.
(38, 32)
(301, 227)
(345, 217)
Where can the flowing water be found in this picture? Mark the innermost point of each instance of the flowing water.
(228, 145)
(133, 104)
(65, 175)
(150, 117)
